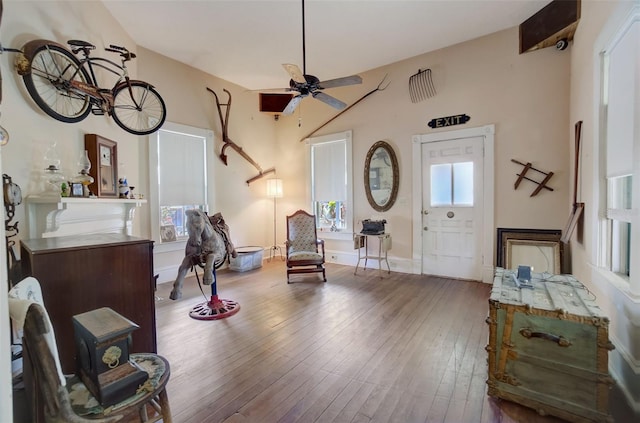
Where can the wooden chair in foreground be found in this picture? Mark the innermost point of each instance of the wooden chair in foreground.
(303, 254)
(57, 398)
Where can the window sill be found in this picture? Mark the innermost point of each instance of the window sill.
(344, 235)
(619, 283)
(166, 247)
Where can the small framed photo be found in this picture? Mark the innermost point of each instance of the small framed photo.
(77, 190)
(168, 233)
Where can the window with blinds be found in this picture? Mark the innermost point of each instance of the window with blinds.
(180, 169)
(619, 100)
(331, 182)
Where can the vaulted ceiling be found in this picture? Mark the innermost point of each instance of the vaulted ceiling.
(246, 42)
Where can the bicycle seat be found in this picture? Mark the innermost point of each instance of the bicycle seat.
(81, 44)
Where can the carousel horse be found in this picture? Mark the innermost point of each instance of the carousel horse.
(209, 245)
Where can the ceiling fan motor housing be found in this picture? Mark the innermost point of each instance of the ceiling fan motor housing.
(304, 88)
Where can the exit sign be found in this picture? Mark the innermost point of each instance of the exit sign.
(442, 122)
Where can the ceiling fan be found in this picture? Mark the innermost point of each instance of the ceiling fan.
(306, 84)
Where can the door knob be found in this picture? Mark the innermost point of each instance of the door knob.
(425, 228)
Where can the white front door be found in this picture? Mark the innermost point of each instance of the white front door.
(452, 208)
(453, 222)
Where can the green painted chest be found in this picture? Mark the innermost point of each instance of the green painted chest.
(548, 347)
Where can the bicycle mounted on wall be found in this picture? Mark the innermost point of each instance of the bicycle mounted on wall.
(66, 87)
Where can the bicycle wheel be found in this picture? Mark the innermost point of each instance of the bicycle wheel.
(52, 67)
(145, 118)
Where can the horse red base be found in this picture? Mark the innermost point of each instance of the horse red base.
(214, 309)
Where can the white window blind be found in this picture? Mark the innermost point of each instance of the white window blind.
(330, 171)
(181, 168)
(621, 99)
(331, 184)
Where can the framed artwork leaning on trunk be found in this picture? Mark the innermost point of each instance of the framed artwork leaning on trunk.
(539, 248)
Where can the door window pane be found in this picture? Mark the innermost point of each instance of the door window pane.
(463, 184)
(441, 185)
(452, 184)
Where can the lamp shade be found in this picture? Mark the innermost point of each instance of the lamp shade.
(274, 188)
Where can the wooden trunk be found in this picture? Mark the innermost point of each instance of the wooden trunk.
(548, 347)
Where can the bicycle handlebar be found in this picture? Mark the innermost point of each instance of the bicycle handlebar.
(126, 54)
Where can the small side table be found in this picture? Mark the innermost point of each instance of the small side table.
(361, 242)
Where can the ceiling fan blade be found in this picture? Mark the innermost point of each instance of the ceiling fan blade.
(331, 101)
(272, 90)
(295, 73)
(340, 82)
(292, 105)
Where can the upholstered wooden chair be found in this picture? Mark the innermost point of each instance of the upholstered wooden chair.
(305, 252)
(57, 398)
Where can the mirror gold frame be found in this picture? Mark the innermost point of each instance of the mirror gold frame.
(381, 176)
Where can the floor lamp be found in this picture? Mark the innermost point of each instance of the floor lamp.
(274, 190)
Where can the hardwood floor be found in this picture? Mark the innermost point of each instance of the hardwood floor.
(358, 348)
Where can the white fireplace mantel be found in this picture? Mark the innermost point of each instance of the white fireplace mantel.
(51, 216)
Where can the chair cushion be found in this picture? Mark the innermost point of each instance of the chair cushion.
(302, 233)
(304, 255)
(84, 403)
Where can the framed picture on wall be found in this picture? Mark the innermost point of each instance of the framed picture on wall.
(103, 154)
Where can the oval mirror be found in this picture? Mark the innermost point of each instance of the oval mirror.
(381, 176)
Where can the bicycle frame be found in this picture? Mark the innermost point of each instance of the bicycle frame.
(99, 95)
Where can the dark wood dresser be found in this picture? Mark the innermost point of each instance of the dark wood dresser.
(86, 272)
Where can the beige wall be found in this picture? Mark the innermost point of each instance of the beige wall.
(245, 208)
(31, 130)
(600, 20)
(533, 100)
(525, 96)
